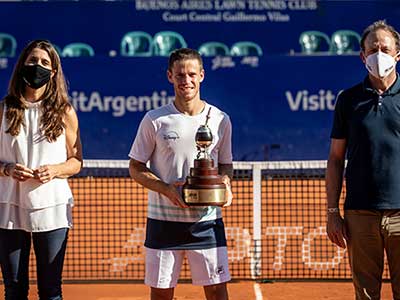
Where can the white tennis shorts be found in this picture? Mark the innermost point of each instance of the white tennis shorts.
(208, 266)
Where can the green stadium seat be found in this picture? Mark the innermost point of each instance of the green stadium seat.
(136, 43)
(314, 41)
(77, 50)
(246, 48)
(164, 42)
(8, 45)
(214, 49)
(345, 42)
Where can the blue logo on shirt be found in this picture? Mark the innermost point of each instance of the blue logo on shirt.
(171, 135)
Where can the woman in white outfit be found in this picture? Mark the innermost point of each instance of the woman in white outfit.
(39, 149)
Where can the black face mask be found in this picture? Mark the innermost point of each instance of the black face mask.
(35, 75)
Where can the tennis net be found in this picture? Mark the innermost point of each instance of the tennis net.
(275, 227)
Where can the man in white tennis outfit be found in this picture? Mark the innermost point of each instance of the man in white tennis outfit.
(166, 139)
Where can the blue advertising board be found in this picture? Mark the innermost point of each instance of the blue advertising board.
(280, 101)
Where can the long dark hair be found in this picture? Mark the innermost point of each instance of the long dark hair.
(54, 99)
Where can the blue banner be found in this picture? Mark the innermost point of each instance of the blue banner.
(280, 110)
(280, 101)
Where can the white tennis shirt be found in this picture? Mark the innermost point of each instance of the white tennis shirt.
(166, 139)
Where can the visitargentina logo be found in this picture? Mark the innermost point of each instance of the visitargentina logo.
(304, 100)
(118, 105)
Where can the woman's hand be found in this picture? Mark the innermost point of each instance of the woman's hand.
(45, 173)
(19, 172)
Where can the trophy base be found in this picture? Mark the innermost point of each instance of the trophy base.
(204, 197)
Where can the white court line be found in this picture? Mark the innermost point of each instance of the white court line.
(257, 292)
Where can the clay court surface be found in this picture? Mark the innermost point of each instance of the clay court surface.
(237, 290)
(106, 243)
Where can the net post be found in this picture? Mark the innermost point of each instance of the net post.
(256, 257)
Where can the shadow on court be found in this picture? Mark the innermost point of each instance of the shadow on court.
(246, 290)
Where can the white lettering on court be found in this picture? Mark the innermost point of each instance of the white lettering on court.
(282, 232)
(240, 239)
(240, 247)
(306, 252)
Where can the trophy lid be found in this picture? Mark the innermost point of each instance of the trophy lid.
(203, 136)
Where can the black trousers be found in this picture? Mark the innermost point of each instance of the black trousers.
(49, 250)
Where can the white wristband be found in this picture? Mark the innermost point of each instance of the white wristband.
(333, 210)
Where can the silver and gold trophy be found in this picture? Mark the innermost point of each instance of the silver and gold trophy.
(204, 186)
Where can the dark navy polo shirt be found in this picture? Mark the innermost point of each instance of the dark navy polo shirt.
(370, 123)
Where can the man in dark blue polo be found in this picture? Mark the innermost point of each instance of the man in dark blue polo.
(367, 127)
